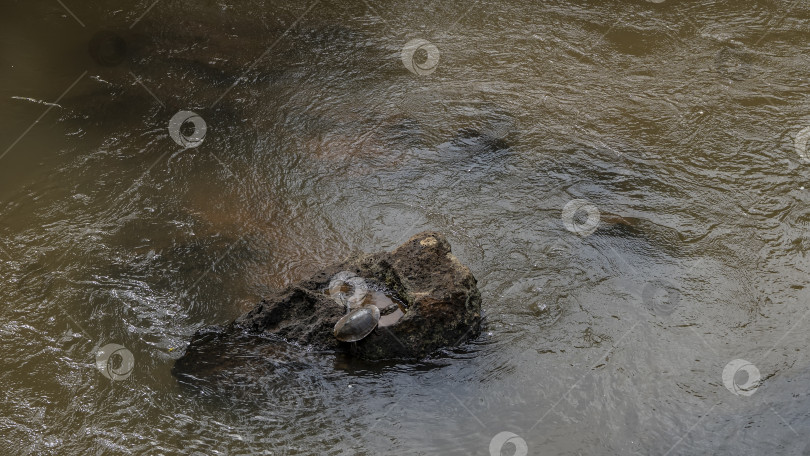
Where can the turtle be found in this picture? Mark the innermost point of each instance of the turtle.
(357, 324)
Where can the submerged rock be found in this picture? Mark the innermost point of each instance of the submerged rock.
(428, 298)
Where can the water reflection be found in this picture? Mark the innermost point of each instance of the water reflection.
(681, 123)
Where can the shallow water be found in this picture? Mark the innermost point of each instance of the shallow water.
(677, 121)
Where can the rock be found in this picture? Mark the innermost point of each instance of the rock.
(438, 295)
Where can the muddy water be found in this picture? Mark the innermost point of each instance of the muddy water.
(677, 121)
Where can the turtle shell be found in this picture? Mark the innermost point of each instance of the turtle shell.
(357, 324)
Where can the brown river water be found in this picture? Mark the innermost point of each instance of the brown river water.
(627, 180)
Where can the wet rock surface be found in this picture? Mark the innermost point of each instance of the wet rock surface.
(436, 295)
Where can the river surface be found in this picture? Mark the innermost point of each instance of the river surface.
(678, 126)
